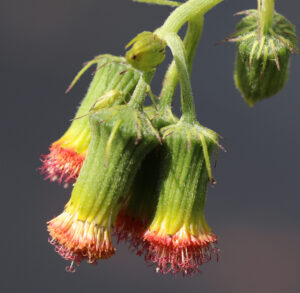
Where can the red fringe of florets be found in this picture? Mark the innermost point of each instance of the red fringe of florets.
(76, 240)
(180, 254)
(66, 254)
(62, 164)
(131, 231)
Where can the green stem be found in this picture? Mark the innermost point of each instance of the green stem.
(140, 92)
(178, 51)
(160, 2)
(191, 40)
(186, 12)
(267, 14)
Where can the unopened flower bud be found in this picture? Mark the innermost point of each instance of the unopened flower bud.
(147, 51)
(262, 62)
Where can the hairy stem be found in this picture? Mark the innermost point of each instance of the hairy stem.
(193, 35)
(186, 12)
(267, 14)
(140, 92)
(187, 101)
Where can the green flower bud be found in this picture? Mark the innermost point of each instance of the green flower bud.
(147, 51)
(113, 82)
(262, 61)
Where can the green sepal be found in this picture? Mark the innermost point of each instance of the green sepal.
(121, 138)
(262, 61)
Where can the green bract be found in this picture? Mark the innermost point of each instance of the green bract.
(262, 62)
(147, 51)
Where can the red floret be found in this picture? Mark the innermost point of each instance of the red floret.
(77, 240)
(180, 253)
(131, 231)
(61, 164)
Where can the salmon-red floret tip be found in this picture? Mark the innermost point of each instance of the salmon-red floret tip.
(66, 254)
(131, 231)
(61, 164)
(78, 240)
(180, 253)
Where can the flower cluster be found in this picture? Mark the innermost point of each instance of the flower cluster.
(141, 173)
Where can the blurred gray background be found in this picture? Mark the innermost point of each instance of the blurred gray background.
(254, 208)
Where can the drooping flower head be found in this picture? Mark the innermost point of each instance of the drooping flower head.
(121, 138)
(179, 239)
(66, 155)
(138, 210)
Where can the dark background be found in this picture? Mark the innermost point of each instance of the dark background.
(255, 206)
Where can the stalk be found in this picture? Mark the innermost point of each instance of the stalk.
(140, 92)
(191, 40)
(267, 14)
(186, 12)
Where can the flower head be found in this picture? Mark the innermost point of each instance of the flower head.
(138, 210)
(120, 138)
(66, 156)
(179, 239)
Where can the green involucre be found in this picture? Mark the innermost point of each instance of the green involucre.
(121, 138)
(184, 175)
(262, 61)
